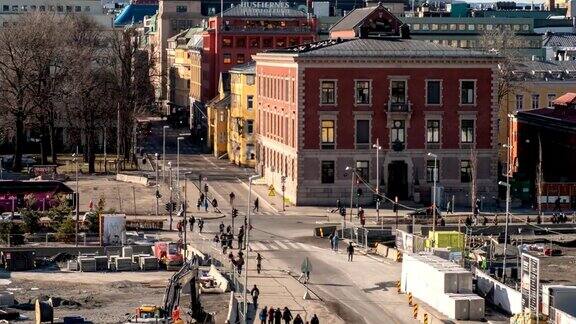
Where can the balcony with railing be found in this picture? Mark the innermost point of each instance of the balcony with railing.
(405, 107)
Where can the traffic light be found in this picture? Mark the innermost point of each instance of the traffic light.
(395, 207)
(359, 192)
(158, 195)
(342, 211)
(168, 207)
(234, 212)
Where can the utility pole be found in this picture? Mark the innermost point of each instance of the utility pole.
(247, 235)
(171, 189)
(134, 199)
(118, 139)
(77, 198)
(157, 193)
(434, 175)
(378, 148)
(105, 142)
(164, 152)
(396, 210)
(351, 195)
(184, 213)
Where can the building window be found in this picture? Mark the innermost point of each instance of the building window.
(467, 131)
(33, 8)
(398, 91)
(470, 27)
(362, 131)
(250, 126)
(86, 8)
(328, 135)
(59, 8)
(250, 79)
(432, 168)
(433, 92)
(77, 8)
(519, 102)
(467, 92)
(398, 131)
(551, 97)
(452, 26)
(255, 42)
(535, 101)
(327, 171)
(68, 8)
(416, 26)
(465, 171)
(5, 8)
(328, 92)
(433, 131)
(181, 8)
(240, 58)
(363, 92)
(250, 102)
(241, 42)
(227, 58)
(227, 42)
(362, 170)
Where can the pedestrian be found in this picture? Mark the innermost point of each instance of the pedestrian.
(496, 220)
(484, 220)
(240, 263)
(192, 221)
(442, 222)
(258, 263)
(286, 315)
(232, 196)
(271, 315)
(330, 238)
(335, 241)
(298, 320)
(179, 227)
(263, 315)
(256, 205)
(448, 204)
(206, 188)
(228, 229)
(200, 225)
(255, 292)
(215, 204)
(278, 316)
(314, 320)
(199, 203)
(221, 227)
(206, 205)
(305, 276)
(202, 197)
(240, 237)
(350, 250)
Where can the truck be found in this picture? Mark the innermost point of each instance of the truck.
(168, 255)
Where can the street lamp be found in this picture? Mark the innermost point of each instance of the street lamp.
(352, 173)
(157, 193)
(164, 150)
(247, 234)
(434, 175)
(170, 187)
(378, 148)
(178, 161)
(77, 198)
(507, 185)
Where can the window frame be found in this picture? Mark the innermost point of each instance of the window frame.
(519, 102)
(249, 102)
(363, 103)
(431, 165)
(334, 92)
(395, 97)
(368, 132)
(327, 145)
(440, 88)
(467, 173)
(464, 138)
(474, 95)
(551, 97)
(327, 178)
(395, 131)
(535, 104)
(437, 132)
(363, 171)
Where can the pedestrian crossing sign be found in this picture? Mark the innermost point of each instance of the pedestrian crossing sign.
(271, 191)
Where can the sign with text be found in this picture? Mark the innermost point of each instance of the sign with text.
(530, 282)
(272, 5)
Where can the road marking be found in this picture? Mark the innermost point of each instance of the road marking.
(293, 245)
(281, 245)
(257, 246)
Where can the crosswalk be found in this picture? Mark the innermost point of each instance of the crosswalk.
(276, 245)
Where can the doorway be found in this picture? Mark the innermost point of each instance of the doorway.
(398, 180)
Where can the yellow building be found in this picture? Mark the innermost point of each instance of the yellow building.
(535, 85)
(242, 115)
(218, 110)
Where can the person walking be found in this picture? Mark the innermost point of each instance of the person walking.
(263, 315)
(331, 238)
(298, 320)
(271, 315)
(206, 205)
(192, 221)
(286, 315)
(255, 292)
(258, 263)
(256, 206)
(350, 250)
(221, 227)
(240, 237)
(215, 205)
(335, 241)
(228, 229)
(200, 225)
(278, 316)
(314, 320)
(198, 204)
(305, 275)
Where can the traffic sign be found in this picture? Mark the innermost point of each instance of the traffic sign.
(271, 191)
(283, 179)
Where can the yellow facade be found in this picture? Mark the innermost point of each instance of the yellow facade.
(218, 110)
(526, 95)
(241, 150)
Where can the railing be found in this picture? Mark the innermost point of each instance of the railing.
(399, 106)
(303, 29)
(48, 239)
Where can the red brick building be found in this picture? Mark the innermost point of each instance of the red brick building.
(322, 106)
(247, 29)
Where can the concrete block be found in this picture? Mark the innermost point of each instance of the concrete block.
(465, 282)
(477, 307)
(455, 306)
(72, 265)
(127, 251)
(382, 250)
(101, 263)
(124, 264)
(148, 263)
(6, 298)
(87, 264)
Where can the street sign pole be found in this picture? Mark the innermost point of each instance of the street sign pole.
(283, 192)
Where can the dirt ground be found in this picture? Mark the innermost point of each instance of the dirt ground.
(98, 297)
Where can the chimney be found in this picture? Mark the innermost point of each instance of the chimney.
(405, 31)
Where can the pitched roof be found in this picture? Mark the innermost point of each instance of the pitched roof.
(353, 19)
(565, 99)
(248, 68)
(545, 70)
(380, 47)
(559, 40)
(249, 12)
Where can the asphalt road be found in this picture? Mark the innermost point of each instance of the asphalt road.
(360, 292)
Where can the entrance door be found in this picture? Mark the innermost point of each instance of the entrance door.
(398, 180)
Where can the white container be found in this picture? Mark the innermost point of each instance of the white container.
(455, 306)
(465, 282)
(127, 251)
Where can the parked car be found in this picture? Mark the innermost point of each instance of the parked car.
(423, 213)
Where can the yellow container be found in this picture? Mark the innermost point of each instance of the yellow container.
(446, 239)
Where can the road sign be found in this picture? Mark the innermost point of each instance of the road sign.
(306, 266)
(271, 191)
(530, 282)
(283, 179)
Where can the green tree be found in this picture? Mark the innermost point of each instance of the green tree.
(11, 232)
(31, 219)
(59, 212)
(66, 230)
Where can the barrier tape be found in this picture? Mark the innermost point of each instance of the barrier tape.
(415, 311)
(410, 299)
(398, 286)
(425, 318)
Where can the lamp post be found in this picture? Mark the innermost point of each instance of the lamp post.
(157, 193)
(247, 234)
(77, 197)
(434, 176)
(352, 173)
(178, 161)
(507, 185)
(170, 187)
(378, 148)
(164, 150)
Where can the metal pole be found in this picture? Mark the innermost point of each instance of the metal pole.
(247, 234)
(396, 202)
(351, 198)
(134, 199)
(1, 168)
(184, 213)
(434, 175)
(377, 180)
(507, 210)
(178, 164)
(118, 139)
(105, 142)
(170, 180)
(164, 152)
(77, 200)
(157, 185)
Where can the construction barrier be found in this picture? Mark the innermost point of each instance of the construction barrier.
(425, 320)
(382, 250)
(410, 299)
(415, 311)
(144, 224)
(398, 285)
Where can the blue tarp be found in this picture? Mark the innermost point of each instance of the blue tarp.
(134, 13)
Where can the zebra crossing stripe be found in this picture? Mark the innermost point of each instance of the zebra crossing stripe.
(282, 245)
(258, 246)
(302, 245)
(293, 245)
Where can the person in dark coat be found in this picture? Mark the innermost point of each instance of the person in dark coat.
(298, 320)
(271, 315)
(255, 293)
(263, 315)
(287, 315)
(314, 320)
(192, 221)
(350, 250)
(256, 206)
(278, 316)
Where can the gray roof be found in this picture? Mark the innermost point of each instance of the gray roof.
(247, 12)
(380, 47)
(545, 71)
(353, 19)
(559, 40)
(248, 68)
